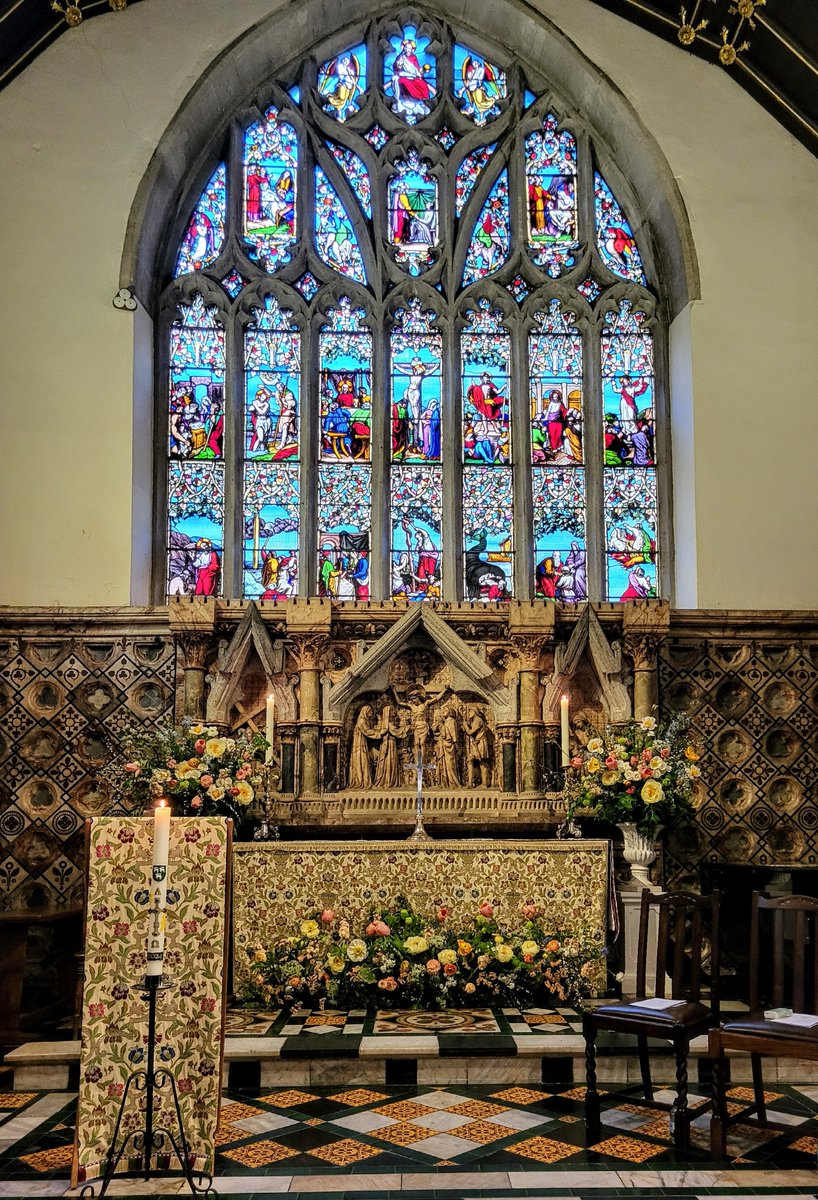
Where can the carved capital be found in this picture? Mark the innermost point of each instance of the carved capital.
(641, 649)
(307, 650)
(527, 649)
(195, 648)
(506, 734)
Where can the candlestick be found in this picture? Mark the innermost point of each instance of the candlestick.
(270, 726)
(159, 888)
(565, 731)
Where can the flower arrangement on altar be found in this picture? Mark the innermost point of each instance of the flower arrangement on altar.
(640, 773)
(404, 960)
(201, 772)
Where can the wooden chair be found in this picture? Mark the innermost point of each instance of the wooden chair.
(775, 924)
(682, 919)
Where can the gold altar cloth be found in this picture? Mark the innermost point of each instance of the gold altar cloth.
(278, 884)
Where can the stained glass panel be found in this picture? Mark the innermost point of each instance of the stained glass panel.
(550, 169)
(335, 238)
(416, 357)
(342, 81)
(468, 173)
(233, 283)
(485, 350)
(272, 365)
(270, 182)
(555, 375)
(413, 217)
(627, 388)
(271, 493)
(417, 504)
(410, 74)
(488, 248)
(487, 533)
(204, 236)
(560, 567)
(630, 529)
(479, 86)
(195, 528)
(196, 383)
(356, 174)
(344, 506)
(345, 385)
(614, 237)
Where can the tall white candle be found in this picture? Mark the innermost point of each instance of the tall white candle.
(159, 888)
(565, 731)
(270, 725)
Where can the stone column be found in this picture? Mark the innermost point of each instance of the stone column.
(192, 620)
(645, 624)
(307, 650)
(528, 648)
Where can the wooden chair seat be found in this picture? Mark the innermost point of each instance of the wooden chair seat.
(625, 1017)
(736, 1035)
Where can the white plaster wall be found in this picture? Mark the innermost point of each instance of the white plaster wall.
(77, 130)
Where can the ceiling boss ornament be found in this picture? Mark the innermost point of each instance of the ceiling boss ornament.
(73, 12)
(730, 48)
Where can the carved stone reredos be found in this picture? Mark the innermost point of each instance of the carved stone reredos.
(250, 646)
(590, 659)
(466, 671)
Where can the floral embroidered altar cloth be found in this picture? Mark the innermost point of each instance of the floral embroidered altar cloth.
(190, 1015)
(278, 884)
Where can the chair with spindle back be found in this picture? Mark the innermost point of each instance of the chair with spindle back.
(684, 921)
(791, 985)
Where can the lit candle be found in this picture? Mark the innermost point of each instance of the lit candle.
(159, 888)
(270, 726)
(565, 732)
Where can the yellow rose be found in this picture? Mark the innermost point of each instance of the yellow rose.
(186, 771)
(691, 755)
(416, 945)
(652, 791)
(694, 772)
(592, 765)
(609, 777)
(447, 956)
(595, 746)
(309, 929)
(197, 730)
(529, 947)
(215, 747)
(656, 763)
(356, 950)
(464, 948)
(498, 938)
(215, 792)
(336, 964)
(503, 953)
(160, 775)
(245, 792)
(647, 723)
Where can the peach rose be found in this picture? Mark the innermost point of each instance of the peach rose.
(450, 969)
(327, 916)
(486, 909)
(433, 966)
(387, 985)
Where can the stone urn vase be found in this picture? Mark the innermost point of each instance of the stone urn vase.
(639, 852)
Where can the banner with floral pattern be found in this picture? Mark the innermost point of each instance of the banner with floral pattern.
(190, 1014)
(279, 884)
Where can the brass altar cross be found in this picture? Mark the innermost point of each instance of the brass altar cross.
(419, 834)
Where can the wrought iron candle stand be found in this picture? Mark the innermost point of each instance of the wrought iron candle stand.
(151, 1139)
(262, 810)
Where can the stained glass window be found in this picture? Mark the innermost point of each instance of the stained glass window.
(408, 308)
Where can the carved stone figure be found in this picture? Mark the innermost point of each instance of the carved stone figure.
(388, 772)
(360, 764)
(478, 748)
(418, 704)
(448, 771)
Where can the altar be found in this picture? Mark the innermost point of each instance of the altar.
(276, 885)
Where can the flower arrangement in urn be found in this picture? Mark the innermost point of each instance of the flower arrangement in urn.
(202, 772)
(403, 960)
(641, 773)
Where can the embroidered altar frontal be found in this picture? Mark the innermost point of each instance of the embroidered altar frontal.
(278, 884)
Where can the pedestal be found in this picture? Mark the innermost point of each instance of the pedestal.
(630, 899)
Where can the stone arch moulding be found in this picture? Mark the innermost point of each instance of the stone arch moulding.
(185, 155)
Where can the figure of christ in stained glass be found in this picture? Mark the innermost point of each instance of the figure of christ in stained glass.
(335, 238)
(413, 217)
(204, 236)
(485, 350)
(487, 533)
(344, 516)
(195, 528)
(196, 383)
(490, 240)
(416, 370)
(614, 238)
(555, 377)
(356, 174)
(560, 568)
(409, 75)
(341, 82)
(272, 365)
(550, 170)
(630, 532)
(270, 531)
(627, 389)
(417, 503)
(479, 86)
(345, 385)
(270, 183)
(468, 173)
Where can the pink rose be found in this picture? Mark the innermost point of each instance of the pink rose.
(576, 763)
(377, 929)
(634, 760)
(486, 909)
(442, 913)
(647, 755)
(196, 802)
(234, 791)
(388, 984)
(327, 916)
(610, 762)
(631, 790)
(433, 966)
(199, 745)
(450, 969)
(665, 752)
(242, 772)
(646, 773)
(133, 768)
(206, 780)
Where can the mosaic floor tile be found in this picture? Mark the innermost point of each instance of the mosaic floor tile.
(578, 1093)
(260, 1154)
(239, 1023)
(404, 1133)
(16, 1099)
(472, 1020)
(478, 1108)
(345, 1152)
(629, 1149)
(314, 1121)
(543, 1150)
(485, 1132)
(364, 1122)
(325, 1019)
(516, 1095)
(49, 1160)
(445, 1145)
(538, 1019)
(225, 1133)
(442, 1121)
(807, 1145)
(228, 1113)
(403, 1110)
(659, 1128)
(288, 1099)
(358, 1096)
(747, 1093)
